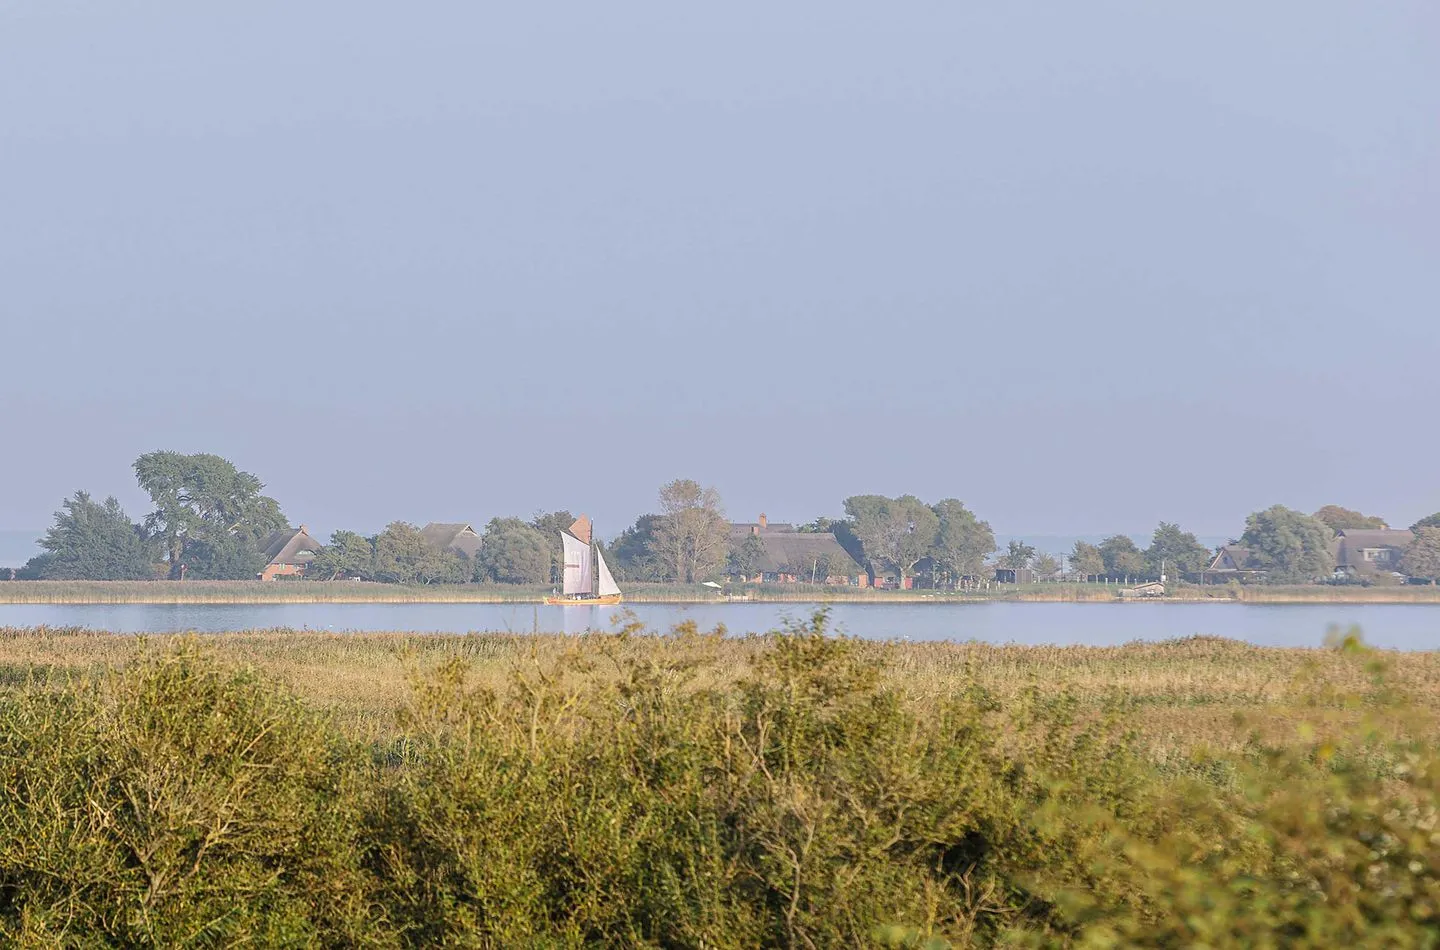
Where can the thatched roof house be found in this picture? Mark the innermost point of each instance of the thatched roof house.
(287, 553)
(788, 555)
(458, 538)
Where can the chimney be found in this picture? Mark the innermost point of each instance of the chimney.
(764, 523)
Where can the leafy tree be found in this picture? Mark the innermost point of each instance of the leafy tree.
(1017, 556)
(1045, 565)
(222, 557)
(515, 553)
(347, 555)
(1121, 557)
(1177, 551)
(1340, 519)
(632, 558)
(746, 557)
(1291, 546)
(202, 497)
(962, 541)
(93, 541)
(1431, 521)
(894, 532)
(1422, 556)
(691, 538)
(1085, 560)
(403, 557)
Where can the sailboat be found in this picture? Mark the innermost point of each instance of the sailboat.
(588, 582)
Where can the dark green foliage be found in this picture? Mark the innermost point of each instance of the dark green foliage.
(1422, 557)
(632, 559)
(94, 541)
(1177, 552)
(1429, 521)
(222, 557)
(1121, 557)
(895, 532)
(347, 555)
(1293, 547)
(516, 553)
(204, 498)
(403, 557)
(617, 799)
(962, 541)
(1341, 518)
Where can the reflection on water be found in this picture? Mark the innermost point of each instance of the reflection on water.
(1398, 626)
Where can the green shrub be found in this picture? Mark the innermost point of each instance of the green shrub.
(618, 797)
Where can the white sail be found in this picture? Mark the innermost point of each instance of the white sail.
(608, 587)
(579, 573)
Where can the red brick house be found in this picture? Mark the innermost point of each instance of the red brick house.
(288, 553)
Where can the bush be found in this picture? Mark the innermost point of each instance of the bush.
(620, 797)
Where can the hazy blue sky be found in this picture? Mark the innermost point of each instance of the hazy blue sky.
(1084, 266)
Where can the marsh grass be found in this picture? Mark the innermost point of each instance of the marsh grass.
(690, 789)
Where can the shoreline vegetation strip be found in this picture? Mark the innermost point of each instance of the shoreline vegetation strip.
(255, 592)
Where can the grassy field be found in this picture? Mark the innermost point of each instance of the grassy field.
(256, 592)
(297, 788)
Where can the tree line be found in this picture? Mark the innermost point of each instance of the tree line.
(209, 518)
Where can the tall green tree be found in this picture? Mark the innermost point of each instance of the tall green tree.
(219, 556)
(691, 539)
(348, 555)
(1422, 557)
(94, 541)
(962, 541)
(1045, 566)
(1017, 556)
(1340, 519)
(515, 553)
(202, 498)
(403, 557)
(1429, 521)
(1291, 546)
(633, 560)
(746, 557)
(1175, 552)
(1121, 557)
(1085, 560)
(893, 532)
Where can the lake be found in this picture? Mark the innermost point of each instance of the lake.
(1394, 626)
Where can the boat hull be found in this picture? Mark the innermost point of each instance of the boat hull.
(584, 602)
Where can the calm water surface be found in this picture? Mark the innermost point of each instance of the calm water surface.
(1398, 626)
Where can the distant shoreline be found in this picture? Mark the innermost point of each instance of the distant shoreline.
(337, 592)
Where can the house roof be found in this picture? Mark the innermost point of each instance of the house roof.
(289, 546)
(739, 529)
(796, 549)
(451, 536)
(1376, 537)
(1349, 543)
(1231, 554)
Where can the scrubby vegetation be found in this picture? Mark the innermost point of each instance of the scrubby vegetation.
(793, 790)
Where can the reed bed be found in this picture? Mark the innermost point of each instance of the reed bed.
(687, 789)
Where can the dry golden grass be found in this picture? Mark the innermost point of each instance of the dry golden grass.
(1180, 695)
